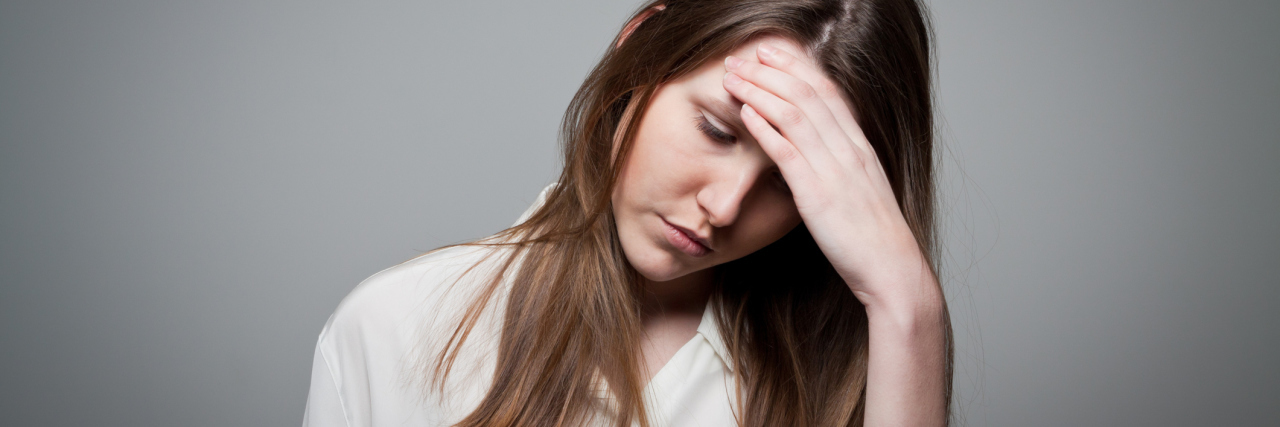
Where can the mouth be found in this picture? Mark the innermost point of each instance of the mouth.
(681, 239)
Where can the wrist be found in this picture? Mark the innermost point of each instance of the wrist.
(921, 318)
(910, 306)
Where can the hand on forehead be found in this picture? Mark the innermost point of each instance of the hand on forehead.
(799, 65)
(750, 50)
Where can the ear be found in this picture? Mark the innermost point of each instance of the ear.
(635, 22)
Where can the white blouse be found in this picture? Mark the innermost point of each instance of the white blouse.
(374, 353)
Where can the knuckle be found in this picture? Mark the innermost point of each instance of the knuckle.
(827, 89)
(859, 161)
(803, 90)
(787, 153)
(790, 115)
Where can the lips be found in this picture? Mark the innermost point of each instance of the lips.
(686, 241)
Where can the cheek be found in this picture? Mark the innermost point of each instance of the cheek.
(769, 222)
(641, 188)
(662, 164)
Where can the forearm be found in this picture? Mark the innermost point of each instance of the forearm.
(907, 360)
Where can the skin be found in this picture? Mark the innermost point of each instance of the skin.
(731, 193)
(803, 122)
(793, 121)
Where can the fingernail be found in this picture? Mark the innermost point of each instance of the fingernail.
(732, 62)
(767, 50)
(732, 79)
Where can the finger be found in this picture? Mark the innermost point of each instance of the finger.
(803, 95)
(795, 169)
(791, 122)
(827, 90)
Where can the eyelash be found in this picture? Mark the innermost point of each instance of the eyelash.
(720, 136)
(712, 132)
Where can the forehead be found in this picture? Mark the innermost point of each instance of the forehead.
(708, 78)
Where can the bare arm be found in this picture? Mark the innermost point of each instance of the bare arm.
(906, 366)
(801, 120)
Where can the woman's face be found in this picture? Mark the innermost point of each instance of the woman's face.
(695, 170)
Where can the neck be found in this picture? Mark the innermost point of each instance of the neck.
(687, 294)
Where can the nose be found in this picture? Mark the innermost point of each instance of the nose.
(722, 198)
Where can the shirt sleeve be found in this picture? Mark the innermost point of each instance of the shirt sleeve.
(324, 402)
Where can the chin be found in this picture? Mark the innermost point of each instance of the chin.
(657, 265)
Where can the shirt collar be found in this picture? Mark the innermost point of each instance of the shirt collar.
(710, 331)
(707, 327)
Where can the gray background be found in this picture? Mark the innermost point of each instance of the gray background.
(187, 189)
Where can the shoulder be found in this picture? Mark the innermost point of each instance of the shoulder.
(417, 298)
(382, 335)
(371, 353)
(412, 294)
(368, 355)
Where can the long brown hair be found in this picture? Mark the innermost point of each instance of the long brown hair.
(796, 335)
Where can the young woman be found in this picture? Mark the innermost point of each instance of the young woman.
(743, 234)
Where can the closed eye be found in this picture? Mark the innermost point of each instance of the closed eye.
(713, 132)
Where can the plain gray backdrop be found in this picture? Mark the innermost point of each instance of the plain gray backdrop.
(187, 189)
